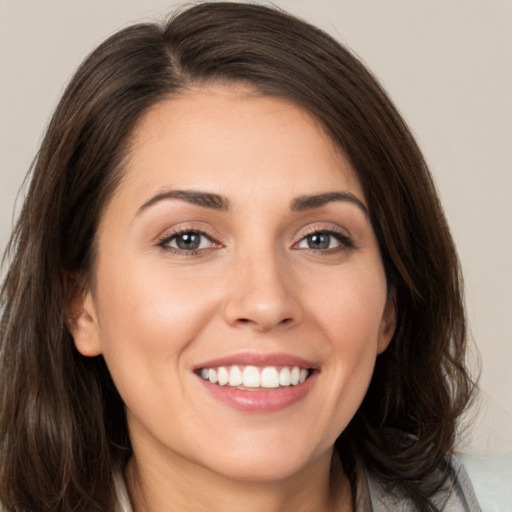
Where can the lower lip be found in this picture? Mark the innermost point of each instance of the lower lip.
(260, 401)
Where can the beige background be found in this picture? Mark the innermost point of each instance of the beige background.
(447, 65)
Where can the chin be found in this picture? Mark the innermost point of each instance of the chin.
(257, 463)
(266, 470)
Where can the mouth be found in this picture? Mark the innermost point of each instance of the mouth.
(258, 383)
(254, 378)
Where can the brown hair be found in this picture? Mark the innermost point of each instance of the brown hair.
(62, 422)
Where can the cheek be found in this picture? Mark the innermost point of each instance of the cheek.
(350, 307)
(148, 320)
(147, 315)
(350, 316)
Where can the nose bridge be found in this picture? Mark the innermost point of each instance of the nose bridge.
(260, 291)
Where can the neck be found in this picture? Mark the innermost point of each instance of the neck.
(322, 486)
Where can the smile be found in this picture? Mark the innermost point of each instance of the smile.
(258, 383)
(252, 378)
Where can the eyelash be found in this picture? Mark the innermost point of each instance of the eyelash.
(344, 240)
(168, 238)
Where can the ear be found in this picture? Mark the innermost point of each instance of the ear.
(388, 323)
(82, 322)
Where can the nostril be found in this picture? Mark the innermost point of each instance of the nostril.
(246, 321)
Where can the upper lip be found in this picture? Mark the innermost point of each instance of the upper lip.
(258, 359)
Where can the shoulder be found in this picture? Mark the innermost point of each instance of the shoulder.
(455, 495)
(491, 478)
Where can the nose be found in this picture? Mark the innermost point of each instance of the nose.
(261, 294)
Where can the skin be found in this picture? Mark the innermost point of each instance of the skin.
(254, 286)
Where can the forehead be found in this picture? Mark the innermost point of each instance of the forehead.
(221, 137)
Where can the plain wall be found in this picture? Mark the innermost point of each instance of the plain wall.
(448, 67)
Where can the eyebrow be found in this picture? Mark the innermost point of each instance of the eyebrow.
(221, 203)
(203, 199)
(309, 202)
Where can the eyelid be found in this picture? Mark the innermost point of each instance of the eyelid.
(322, 227)
(186, 226)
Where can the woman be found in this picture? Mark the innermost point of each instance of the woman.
(231, 286)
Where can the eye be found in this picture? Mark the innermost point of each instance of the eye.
(325, 240)
(187, 241)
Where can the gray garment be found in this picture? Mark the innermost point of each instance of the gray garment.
(456, 496)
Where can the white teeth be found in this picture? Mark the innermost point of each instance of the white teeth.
(268, 377)
(212, 375)
(235, 376)
(285, 378)
(251, 376)
(222, 375)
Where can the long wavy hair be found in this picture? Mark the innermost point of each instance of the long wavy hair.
(62, 423)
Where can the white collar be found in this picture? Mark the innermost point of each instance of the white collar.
(123, 500)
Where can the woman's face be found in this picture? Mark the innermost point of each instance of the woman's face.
(235, 260)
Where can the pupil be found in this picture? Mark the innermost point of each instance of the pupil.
(318, 241)
(188, 241)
